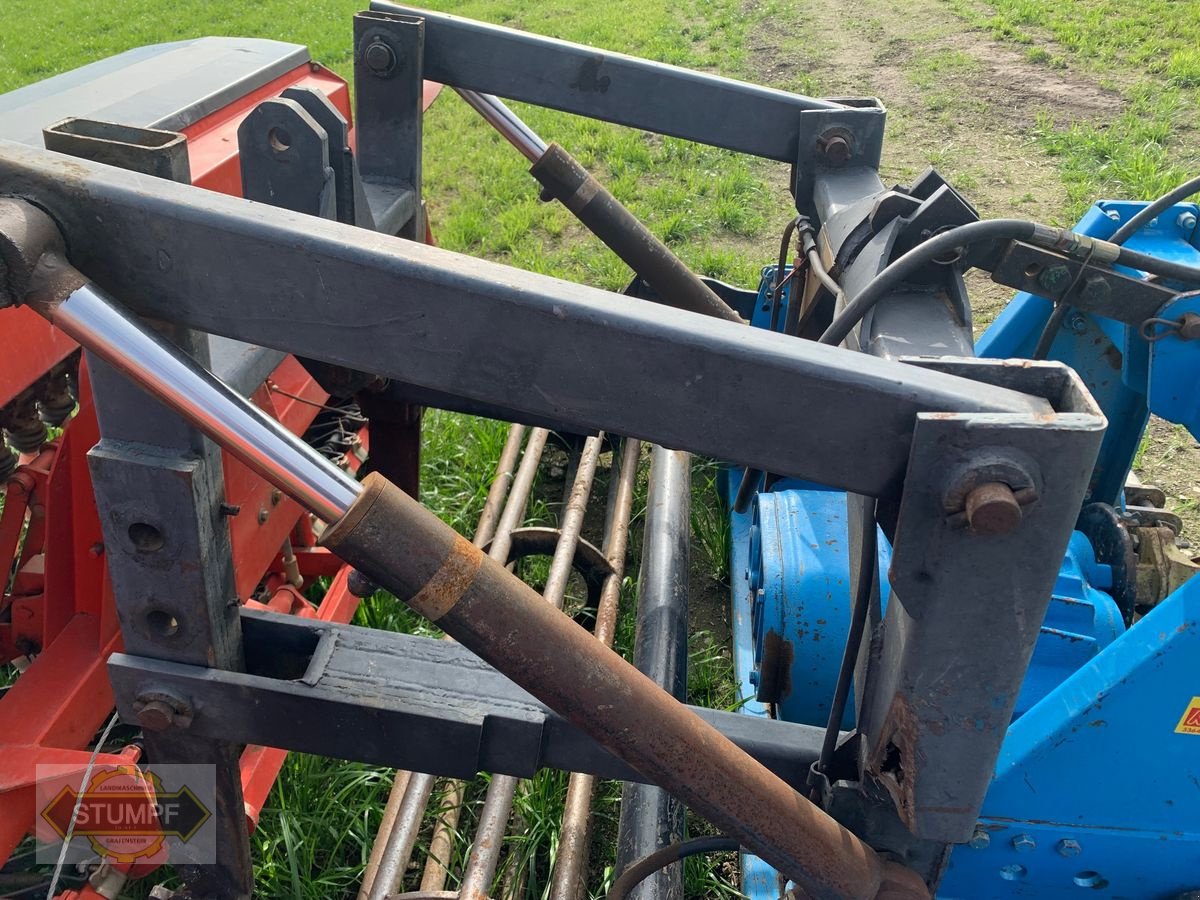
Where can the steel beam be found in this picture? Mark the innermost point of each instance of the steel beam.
(492, 333)
(623, 89)
(939, 684)
(413, 703)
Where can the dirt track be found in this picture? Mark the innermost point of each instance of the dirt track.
(961, 101)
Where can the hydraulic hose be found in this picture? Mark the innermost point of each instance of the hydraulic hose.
(990, 230)
(1149, 213)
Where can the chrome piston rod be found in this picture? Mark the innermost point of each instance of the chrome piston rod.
(166, 373)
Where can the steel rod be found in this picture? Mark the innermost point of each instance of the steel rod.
(166, 373)
(485, 850)
(574, 838)
(505, 121)
(441, 844)
(421, 784)
(390, 811)
(650, 817)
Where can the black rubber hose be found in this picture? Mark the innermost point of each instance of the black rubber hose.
(868, 564)
(974, 233)
(1155, 209)
(777, 287)
(1164, 268)
(660, 859)
(911, 262)
(1146, 215)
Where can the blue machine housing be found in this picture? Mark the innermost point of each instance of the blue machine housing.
(1098, 783)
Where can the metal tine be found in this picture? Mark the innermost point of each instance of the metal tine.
(485, 850)
(396, 836)
(574, 841)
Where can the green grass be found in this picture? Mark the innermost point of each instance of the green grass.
(711, 206)
(718, 210)
(1145, 51)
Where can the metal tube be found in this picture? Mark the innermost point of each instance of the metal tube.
(485, 852)
(505, 121)
(574, 838)
(422, 784)
(402, 839)
(401, 545)
(93, 320)
(390, 811)
(650, 817)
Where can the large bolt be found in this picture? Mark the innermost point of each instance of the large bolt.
(1054, 278)
(379, 58)
(1186, 221)
(836, 146)
(156, 715)
(1068, 847)
(1024, 843)
(158, 711)
(992, 509)
(980, 840)
(1096, 289)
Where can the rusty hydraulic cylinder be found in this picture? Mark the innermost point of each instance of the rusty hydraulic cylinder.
(400, 544)
(403, 547)
(604, 215)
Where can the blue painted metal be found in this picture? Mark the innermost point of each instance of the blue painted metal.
(1100, 761)
(1095, 788)
(1111, 358)
(1080, 622)
(800, 595)
(1174, 387)
(761, 317)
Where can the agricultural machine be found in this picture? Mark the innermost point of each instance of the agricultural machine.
(966, 639)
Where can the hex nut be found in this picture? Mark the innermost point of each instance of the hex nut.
(1024, 843)
(1054, 277)
(1068, 847)
(980, 840)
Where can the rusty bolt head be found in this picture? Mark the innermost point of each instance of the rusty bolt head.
(1023, 843)
(836, 146)
(276, 496)
(1068, 847)
(263, 515)
(379, 58)
(156, 715)
(993, 509)
(1053, 278)
(158, 711)
(980, 840)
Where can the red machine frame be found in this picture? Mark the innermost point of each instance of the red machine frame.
(57, 615)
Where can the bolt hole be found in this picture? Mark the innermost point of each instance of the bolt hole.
(162, 623)
(279, 139)
(1089, 879)
(1032, 269)
(146, 537)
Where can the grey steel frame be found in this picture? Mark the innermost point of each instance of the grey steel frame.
(909, 432)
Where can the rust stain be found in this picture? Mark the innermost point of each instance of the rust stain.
(448, 584)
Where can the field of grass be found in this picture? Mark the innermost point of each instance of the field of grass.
(720, 212)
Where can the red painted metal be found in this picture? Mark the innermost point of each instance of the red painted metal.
(58, 608)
